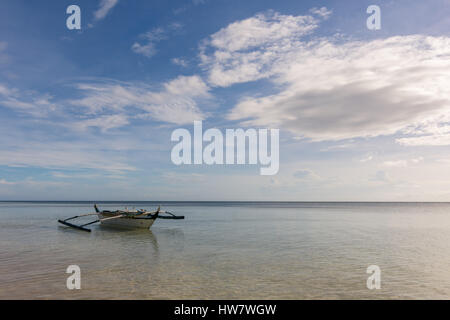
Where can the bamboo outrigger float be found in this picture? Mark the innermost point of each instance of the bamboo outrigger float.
(131, 219)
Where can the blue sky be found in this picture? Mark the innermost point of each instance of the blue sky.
(87, 114)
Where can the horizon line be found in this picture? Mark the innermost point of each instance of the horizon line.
(243, 201)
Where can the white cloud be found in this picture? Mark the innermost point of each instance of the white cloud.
(175, 103)
(80, 175)
(333, 88)
(148, 47)
(38, 105)
(335, 91)
(187, 86)
(108, 104)
(148, 50)
(322, 12)
(105, 123)
(156, 34)
(6, 91)
(30, 182)
(245, 50)
(262, 29)
(180, 62)
(432, 132)
(187, 5)
(429, 140)
(105, 7)
(63, 155)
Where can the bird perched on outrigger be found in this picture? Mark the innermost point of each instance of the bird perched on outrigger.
(131, 219)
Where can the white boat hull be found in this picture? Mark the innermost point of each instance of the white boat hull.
(127, 222)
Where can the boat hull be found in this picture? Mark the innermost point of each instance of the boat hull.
(127, 222)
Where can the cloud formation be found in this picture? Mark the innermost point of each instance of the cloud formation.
(180, 62)
(147, 47)
(64, 156)
(246, 50)
(176, 102)
(333, 88)
(32, 103)
(104, 8)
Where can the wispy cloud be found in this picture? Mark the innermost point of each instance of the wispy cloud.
(83, 175)
(33, 103)
(31, 182)
(322, 12)
(176, 102)
(104, 8)
(147, 47)
(432, 132)
(148, 50)
(187, 5)
(63, 155)
(105, 122)
(109, 104)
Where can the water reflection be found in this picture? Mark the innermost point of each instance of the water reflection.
(137, 237)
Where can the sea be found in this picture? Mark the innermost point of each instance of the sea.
(230, 250)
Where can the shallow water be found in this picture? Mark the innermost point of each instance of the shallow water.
(230, 251)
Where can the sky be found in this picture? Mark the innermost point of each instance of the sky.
(364, 115)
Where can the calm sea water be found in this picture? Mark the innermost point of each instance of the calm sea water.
(230, 251)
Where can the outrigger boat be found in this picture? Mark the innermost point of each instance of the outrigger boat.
(131, 219)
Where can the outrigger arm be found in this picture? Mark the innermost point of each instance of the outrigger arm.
(172, 216)
(82, 227)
